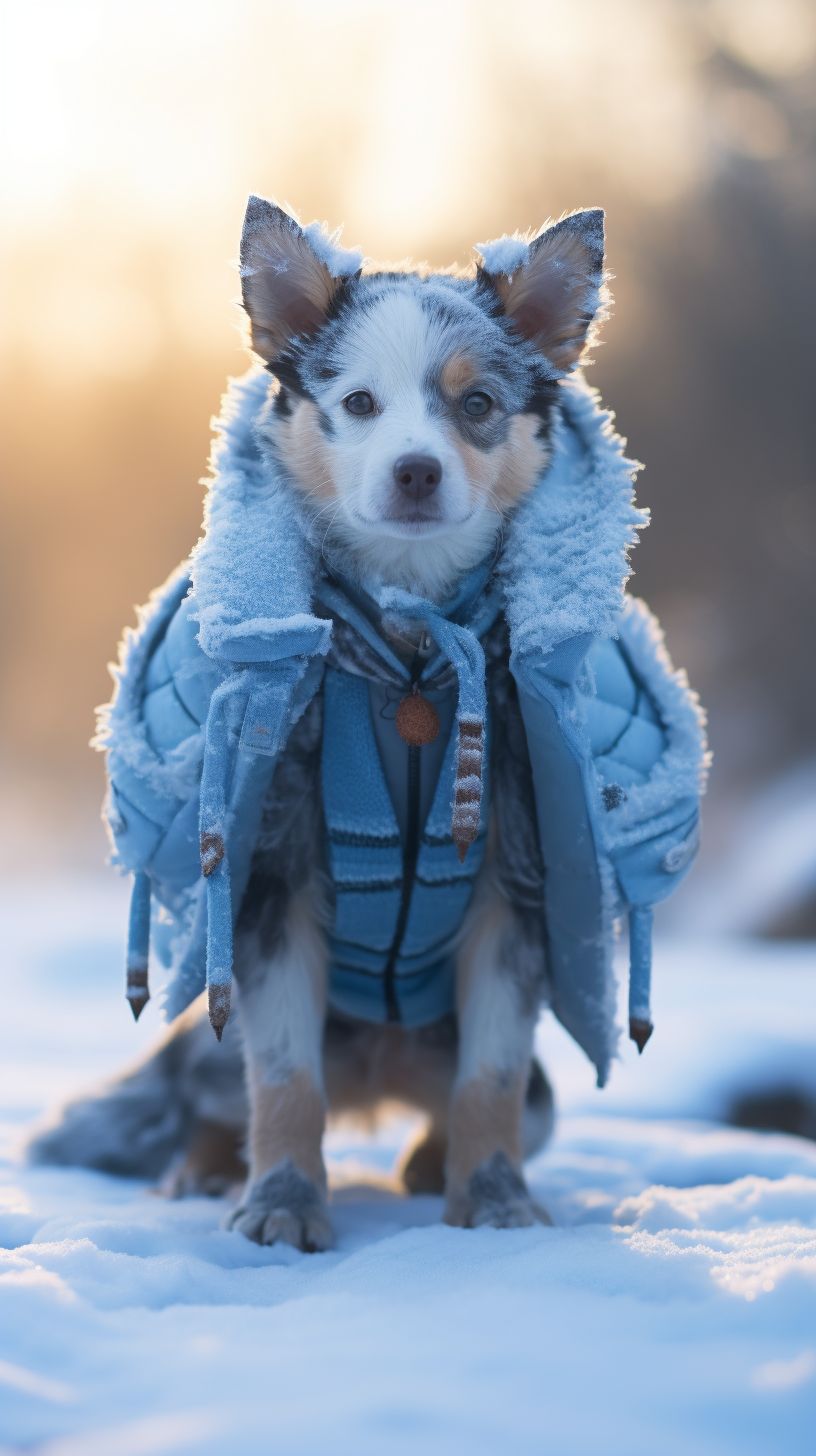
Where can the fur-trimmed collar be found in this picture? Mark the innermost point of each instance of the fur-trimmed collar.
(563, 564)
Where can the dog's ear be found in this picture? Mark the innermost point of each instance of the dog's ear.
(552, 288)
(287, 288)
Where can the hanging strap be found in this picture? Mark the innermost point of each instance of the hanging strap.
(640, 976)
(214, 860)
(137, 990)
(465, 653)
(215, 868)
(266, 717)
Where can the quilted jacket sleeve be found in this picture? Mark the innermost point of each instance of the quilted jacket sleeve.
(153, 737)
(647, 741)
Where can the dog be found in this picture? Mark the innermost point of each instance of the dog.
(412, 411)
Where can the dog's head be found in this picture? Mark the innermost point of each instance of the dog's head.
(414, 408)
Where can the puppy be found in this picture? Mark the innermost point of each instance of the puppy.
(411, 411)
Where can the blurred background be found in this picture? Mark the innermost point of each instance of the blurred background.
(131, 136)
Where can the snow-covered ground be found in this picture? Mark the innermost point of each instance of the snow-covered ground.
(671, 1310)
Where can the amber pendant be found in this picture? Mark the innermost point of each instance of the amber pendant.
(417, 720)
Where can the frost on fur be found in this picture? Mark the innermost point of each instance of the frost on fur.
(505, 254)
(341, 262)
(288, 276)
(553, 286)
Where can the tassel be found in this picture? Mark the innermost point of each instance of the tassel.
(467, 788)
(138, 947)
(640, 976)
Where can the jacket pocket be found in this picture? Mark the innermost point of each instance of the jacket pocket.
(650, 869)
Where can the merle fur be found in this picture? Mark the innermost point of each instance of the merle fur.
(470, 308)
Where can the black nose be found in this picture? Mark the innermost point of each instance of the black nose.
(417, 475)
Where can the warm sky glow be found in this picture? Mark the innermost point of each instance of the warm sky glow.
(131, 136)
(133, 133)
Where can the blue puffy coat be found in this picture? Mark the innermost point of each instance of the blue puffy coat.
(229, 653)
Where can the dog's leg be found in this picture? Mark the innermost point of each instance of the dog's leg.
(211, 1165)
(282, 1007)
(425, 1078)
(497, 1006)
(422, 1166)
(367, 1067)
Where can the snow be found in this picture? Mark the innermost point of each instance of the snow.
(672, 1308)
(341, 262)
(505, 254)
(746, 891)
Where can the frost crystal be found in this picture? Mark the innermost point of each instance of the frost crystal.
(341, 262)
(504, 255)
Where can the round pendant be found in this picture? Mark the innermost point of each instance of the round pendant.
(417, 720)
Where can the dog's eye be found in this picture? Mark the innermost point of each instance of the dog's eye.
(477, 404)
(359, 403)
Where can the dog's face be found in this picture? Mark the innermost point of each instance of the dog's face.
(414, 408)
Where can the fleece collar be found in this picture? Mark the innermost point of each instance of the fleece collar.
(565, 561)
(254, 568)
(563, 565)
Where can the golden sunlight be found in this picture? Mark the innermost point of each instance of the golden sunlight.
(132, 137)
(138, 132)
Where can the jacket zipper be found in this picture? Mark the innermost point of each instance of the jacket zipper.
(410, 856)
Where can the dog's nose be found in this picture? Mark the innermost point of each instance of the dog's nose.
(417, 475)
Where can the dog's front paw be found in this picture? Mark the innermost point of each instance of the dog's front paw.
(284, 1207)
(494, 1196)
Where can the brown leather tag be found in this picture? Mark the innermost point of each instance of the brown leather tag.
(417, 720)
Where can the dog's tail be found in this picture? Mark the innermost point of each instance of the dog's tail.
(137, 1123)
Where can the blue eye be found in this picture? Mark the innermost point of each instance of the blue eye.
(477, 404)
(359, 403)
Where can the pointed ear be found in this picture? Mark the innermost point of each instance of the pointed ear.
(553, 287)
(287, 288)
